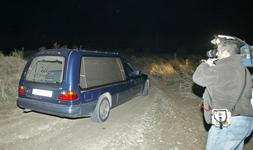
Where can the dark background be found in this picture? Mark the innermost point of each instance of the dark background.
(158, 25)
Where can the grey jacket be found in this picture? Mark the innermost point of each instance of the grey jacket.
(224, 83)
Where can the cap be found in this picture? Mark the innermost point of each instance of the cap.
(227, 39)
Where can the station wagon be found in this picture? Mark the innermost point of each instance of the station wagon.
(78, 83)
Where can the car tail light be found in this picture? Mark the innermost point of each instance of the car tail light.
(22, 90)
(68, 95)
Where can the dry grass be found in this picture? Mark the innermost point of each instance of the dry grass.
(161, 69)
(164, 66)
(172, 71)
(11, 68)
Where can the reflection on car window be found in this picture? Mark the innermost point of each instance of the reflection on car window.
(46, 69)
(129, 69)
(245, 52)
(96, 71)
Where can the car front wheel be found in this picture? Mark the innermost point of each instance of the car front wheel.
(146, 88)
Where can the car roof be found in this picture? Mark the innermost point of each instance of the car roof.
(65, 52)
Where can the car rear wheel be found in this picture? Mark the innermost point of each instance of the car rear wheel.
(102, 110)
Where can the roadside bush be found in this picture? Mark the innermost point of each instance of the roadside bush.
(11, 67)
(170, 70)
(165, 65)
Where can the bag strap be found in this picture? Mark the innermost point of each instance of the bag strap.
(209, 100)
(245, 79)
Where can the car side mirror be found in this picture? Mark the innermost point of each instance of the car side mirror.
(135, 73)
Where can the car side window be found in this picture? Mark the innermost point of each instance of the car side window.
(129, 70)
(98, 71)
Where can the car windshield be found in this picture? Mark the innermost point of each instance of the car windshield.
(46, 69)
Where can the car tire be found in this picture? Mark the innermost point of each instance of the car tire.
(146, 88)
(101, 111)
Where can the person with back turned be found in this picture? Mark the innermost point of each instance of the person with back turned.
(227, 95)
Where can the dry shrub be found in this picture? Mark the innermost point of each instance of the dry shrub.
(172, 71)
(183, 65)
(164, 66)
(17, 54)
(162, 69)
(11, 68)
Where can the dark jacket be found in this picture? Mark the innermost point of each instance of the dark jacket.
(224, 83)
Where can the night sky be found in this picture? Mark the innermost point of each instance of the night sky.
(159, 24)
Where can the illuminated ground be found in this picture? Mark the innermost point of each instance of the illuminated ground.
(164, 120)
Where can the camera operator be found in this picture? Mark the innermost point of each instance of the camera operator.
(228, 87)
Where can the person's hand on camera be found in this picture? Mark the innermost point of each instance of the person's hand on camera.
(210, 61)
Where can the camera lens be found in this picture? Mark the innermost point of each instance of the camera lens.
(211, 53)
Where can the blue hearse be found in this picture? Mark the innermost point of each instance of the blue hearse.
(78, 83)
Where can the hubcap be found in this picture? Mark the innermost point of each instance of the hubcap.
(104, 109)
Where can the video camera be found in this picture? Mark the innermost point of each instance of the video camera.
(213, 53)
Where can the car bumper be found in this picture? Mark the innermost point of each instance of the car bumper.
(68, 111)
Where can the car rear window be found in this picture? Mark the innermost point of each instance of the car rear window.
(46, 69)
(96, 71)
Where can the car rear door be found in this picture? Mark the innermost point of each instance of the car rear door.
(43, 79)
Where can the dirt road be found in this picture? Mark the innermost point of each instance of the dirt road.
(164, 120)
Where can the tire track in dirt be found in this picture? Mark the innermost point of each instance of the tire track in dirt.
(165, 120)
(26, 127)
(125, 129)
